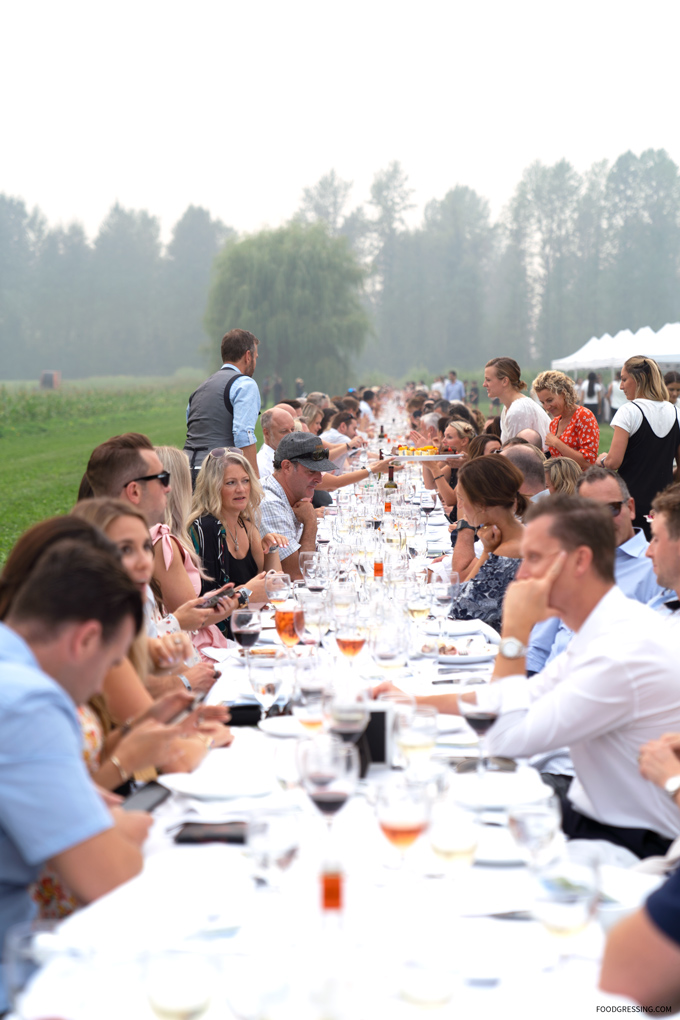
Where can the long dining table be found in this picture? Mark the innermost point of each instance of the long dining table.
(409, 941)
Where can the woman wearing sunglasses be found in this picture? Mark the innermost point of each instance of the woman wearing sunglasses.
(224, 526)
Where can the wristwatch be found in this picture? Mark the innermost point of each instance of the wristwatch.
(462, 525)
(512, 648)
(671, 786)
(243, 596)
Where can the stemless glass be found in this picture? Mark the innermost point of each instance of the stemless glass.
(403, 809)
(278, 588)
(329, 770)
(454, 835)
(180, 983)
(273, 841)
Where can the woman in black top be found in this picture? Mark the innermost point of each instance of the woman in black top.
(646, 436)
(224, 525)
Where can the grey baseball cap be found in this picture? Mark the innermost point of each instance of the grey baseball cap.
(303, 448)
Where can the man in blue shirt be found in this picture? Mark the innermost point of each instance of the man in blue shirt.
(223, 410)
(71, 622)
(454, 389)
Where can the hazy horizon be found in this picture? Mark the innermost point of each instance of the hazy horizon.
(238, 110)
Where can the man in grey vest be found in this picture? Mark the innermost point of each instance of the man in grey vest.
(223, 410)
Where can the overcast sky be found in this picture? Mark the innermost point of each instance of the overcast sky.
(238, 106)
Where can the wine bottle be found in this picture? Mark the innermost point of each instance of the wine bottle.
(389, 489)
(381, 434)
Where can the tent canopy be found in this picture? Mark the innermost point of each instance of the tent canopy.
(611, 351)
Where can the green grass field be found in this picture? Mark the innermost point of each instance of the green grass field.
(46, 440)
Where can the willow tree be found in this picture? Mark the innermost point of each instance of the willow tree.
(299, 291)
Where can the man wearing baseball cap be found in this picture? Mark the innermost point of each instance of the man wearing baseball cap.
(287, 509)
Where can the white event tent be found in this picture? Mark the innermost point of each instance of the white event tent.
(611, 351)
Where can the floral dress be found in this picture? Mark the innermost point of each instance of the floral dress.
(582, 434)
(52, 898)
(482, 597)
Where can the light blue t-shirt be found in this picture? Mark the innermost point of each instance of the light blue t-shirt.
(48, 803)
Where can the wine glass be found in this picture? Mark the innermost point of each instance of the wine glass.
(389, 644)
(246, 625)
(454, 835)
(278, 588)
(346, 712)
(180, 983)
(266, 680)
(565, 900)
(441, 602)
(341, 554)
(285, 618)
(329, 770)
(401, 704)
(534, 827)
(416, 735)
(350, 634)
(315, 620)
(403, 809)
(273, 839)
(480, 718)
(427, 502)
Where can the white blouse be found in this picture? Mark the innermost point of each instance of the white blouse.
(523, 413)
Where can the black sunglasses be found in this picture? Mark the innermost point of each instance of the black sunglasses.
(615, 508)
(316, 455)
(163, 477)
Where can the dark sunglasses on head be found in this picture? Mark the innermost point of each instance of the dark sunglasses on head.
(163, 477)
(316, 455)
(615, 508)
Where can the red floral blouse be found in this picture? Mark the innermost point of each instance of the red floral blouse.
(582, 434)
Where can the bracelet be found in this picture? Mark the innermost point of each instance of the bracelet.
(124, 776)
(184, 681)
(435, 478)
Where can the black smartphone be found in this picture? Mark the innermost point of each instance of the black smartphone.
(212, 832)
(197, 699)
(212, 601)
(146, 798)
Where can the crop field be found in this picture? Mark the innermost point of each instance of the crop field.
(46, 439)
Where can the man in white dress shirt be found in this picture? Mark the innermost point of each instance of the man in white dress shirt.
(276, 423)
(614, 688)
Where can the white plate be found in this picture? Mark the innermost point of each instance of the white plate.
(497, 791)
(218, 784)
(486, 653)
(282, 726)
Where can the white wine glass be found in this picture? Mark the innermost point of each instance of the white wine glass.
(278, 588)
(565, 900)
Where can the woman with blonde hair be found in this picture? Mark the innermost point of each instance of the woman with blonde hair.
(574, 431)
(503, 381)
(180, 577)
(442, 475)
(561, 475)
(224, 525)
(646, 436)
(312, 415)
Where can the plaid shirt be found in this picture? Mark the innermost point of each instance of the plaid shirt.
(277, 515)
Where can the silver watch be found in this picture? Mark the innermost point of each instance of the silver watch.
(512, 648)
(671, 786)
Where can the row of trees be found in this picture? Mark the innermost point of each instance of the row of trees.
(123, 304)
(341, 290)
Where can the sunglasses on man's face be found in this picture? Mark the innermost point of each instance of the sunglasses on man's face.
(615, 507)
(163, 477)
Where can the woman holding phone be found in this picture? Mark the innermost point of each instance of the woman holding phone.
(224, 526)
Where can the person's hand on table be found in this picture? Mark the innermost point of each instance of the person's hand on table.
(205, 719)
(147, 745)
(658, 761)
(272, 540)
(133, 825)
(166, 707)
(385, 688)
(201, 676)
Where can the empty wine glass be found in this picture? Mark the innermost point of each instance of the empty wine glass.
(389, 644)
(278, 588)
(266, 680)
(329, 770)
(534, 827)
(441, 602)
(273, 841)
